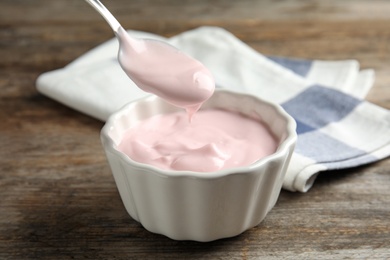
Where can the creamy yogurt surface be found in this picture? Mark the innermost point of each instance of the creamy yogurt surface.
(214, 140)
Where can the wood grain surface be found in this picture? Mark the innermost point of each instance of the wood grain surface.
(58, 199)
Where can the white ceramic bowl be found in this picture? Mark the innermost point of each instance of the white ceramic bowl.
(200, 206)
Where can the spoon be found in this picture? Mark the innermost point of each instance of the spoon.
(159, 68)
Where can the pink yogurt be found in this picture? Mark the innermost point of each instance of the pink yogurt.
(159, 68)
(214, 140)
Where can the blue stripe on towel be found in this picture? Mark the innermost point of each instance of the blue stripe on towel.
(317, 106)
(351, 162)
(314, 108)
(323, 148)
(299, 66)
(303, 128)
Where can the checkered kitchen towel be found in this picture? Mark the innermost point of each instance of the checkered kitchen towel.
(336, 128)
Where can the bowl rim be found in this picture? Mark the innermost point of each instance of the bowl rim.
(282, 149)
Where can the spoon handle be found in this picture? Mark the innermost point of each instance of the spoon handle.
(115, 25)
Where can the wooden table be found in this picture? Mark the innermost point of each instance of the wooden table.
(58, 199)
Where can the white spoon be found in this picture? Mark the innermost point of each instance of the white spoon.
(160, 68)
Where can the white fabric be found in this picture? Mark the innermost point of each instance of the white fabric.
(95, 85)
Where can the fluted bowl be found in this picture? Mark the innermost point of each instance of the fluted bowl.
(185, 205)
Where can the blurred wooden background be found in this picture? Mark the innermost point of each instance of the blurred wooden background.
(58, 198)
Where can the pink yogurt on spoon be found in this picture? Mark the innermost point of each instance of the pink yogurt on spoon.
(159, 68)
(214, 140)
